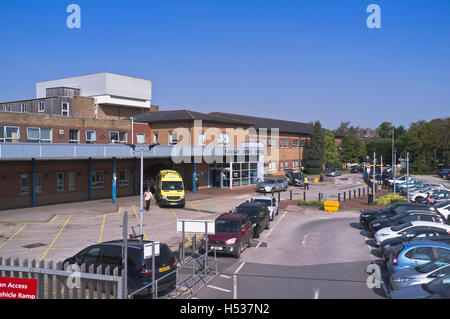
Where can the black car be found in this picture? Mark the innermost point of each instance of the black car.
(139, 269)
(356, 169)
(293, 177)
(394, 209)
(407, 216)
(259, 216)
(411, 234)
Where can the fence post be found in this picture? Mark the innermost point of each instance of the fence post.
(16, 263)
(7, 263)
(304, 196)
(83, 283)
(344, 196)
(99, 283)
(41, 281)
(339, 197)
(116, 292)
(58, 281)
(91, 283)
(50, 281)
(290, 194)
(107, 284)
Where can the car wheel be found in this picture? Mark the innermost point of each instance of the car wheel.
(268, 225)
(418, 199)
(273, 190)
(250, 240)
(237, 253)
(278, 211)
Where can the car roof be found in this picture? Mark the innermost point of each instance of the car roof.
(231, 216)
(263, 197)
(135, 243)
(430, 224)
(252, 204)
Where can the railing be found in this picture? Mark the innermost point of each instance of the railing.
(185, 281)
(55, 282)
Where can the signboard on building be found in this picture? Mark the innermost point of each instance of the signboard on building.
(18, 288)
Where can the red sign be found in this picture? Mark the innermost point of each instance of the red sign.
(18, 288)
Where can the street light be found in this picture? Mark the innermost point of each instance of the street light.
(374, 171)
(142, 148)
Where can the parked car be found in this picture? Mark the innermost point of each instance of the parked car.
(258, 214)
(416, 253)
(333, 172)
(293, 177)
(444, 172)
(271, 202)
(234, 232)
(422, 291)
(420, 274)
(356, 169)
(438, 196)
(444, 209)
(407, 216)
(434, 192)
(272, 185)
(389, 237)
(369, 215)
(139, 271)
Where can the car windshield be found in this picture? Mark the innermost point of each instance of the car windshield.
(249, 211)
(389, 208)
(401, 227)
(271, 181)
(440, 205)
(172, 186)
(438, 284)
(227, 226)
(268, 202)
(431, 266)
(296, 175)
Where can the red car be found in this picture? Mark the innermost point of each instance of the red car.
(234, 233)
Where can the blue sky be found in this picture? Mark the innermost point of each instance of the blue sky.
(296, 60)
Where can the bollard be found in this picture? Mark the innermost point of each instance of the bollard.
(339, 197)
(359, 192)
(291, 195)
(304, 196)
(279, 196)
(354, 193)
(349, 195)
(344, 196)
(364, 192)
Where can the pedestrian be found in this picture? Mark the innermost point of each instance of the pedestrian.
(429, 200)
(306, 183)
(197, 183)
(148, 196)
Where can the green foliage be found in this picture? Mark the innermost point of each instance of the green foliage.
(389, 199)
(348, 150)
(361, 150)
(383, 148)
(331, 156)
(313, 203)
(316, 150)
(385, 129)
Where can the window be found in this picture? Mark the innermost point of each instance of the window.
(281, 165)
(97, 179)
(91, 255)
(118, 137)
(124, 177)
(8, 108)
(423, 253)
(65, 109)
(443, 252)
(23, 108)
(72, 181)
(140, 138)
(281, 143)
(295, 143)
(295, 164)
(24, 184)
(286, 164)
(224, 139)
(74, 136)
(201, 139)
(155, 138)
(60, 182)
(91, 137)
(38, 183)
(39, 135)
(111, 256)
(41, 107)
(11, 134)
(173, 138)
(272, 166)
(271, 142)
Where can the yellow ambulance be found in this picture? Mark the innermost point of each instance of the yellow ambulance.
(170, 189)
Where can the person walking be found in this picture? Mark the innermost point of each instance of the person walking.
(306, 183)
(148, 196)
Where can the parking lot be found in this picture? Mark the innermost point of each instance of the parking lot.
(306, 253)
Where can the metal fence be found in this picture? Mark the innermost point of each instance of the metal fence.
(54, 281)
(191, 275)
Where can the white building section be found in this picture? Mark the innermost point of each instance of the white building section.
(107, 88)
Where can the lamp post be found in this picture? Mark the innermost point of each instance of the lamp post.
(395, 167)
(141, 148)
(407, 176)
(374, 170)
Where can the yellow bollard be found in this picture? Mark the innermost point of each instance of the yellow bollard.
(331, 206)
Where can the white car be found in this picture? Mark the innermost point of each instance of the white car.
(444, 209)
(399, 179)
(417, 197)
(272, 204)
(396, 231)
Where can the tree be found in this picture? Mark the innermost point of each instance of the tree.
(385, 129)
(331, 156)
(348, 152)
(316, 150)
(361, 150)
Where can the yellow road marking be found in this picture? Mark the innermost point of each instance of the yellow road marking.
(53, 219)
(10, 238)
(137, 217)
(101, 231)
(199, 211)
(174, 213)
(56, 237)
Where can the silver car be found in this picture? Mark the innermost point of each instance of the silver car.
(271, 202)
(272, 185)
(421, 274)
(423, 291)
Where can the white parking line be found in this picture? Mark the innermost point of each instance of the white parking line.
(267, 235)
(227, 277)
(218, 288)
(239, 268)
